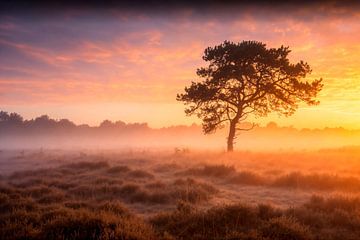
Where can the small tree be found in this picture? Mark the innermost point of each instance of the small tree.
(247, 78)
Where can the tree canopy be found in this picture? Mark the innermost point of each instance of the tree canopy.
(247, 78)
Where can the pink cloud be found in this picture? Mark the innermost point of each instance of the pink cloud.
(155, 62)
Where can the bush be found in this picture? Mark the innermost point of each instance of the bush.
(215, 223)
(87, 165)
(87, 225)
(118, 169)
(317, 181)
(285, 228)
(140, 174)
(247, 178)
(218, 171)
(191, 190)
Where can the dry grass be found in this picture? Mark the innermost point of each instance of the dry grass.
(97, 197)
(23, 218)
(336, 218)
(317, 181)
(293, 180)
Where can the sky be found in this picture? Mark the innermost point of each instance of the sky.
(128, 63)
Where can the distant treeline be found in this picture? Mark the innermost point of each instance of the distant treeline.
(15, 123)
(44, 131)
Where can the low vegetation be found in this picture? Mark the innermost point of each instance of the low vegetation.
(24, 217)
(294, 180)
(95, 197)
(334, 218)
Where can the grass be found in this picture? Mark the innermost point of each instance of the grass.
(292, 180)
(118, 169)
(94, 198)
(335, 218)
(317, 181)
(27, 219)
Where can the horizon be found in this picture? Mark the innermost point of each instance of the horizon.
(62, 134)
(270, 124)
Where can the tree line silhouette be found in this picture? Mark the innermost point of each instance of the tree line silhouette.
(14, 123)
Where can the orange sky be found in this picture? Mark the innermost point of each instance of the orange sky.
(129, 65)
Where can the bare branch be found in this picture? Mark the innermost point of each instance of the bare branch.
(247, 129)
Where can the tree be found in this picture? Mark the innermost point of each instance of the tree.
(247, 78)
(106, 124)
(15, 119)
(4, 116)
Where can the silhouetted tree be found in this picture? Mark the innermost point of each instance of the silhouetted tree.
(44, 121)
(15, 119)
(247, 78)
(106, 124)
(4, 116)
(66, 123)
(120, 124)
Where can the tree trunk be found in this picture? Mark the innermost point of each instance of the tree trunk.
(231, 137)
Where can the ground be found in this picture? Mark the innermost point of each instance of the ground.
(148, 194)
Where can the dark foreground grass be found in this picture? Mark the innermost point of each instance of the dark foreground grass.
(25, 219)
(22, 217)
(323, 219)
(90, 200)
(98, 181)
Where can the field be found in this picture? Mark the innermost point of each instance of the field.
(180, 194)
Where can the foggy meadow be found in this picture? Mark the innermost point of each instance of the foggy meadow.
(180, 120)
(78, 182)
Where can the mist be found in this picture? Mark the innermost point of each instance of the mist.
(97, 104)
(44, 132)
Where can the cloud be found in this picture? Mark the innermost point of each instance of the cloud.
(138, 56)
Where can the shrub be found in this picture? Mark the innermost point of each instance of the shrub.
(114, 207)
(87, 165)
(87, 225)
(218, 171)
(215, 223)
(130, 188)
(247, 178)
(285, 228)
(140, 174)
(167, 167)
(77, 204)
(155, 185)
(317, 181)
(106, 180)
(118, 169)
(318, 203)
(191, 190)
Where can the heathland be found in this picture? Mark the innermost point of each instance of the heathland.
(180, 194)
